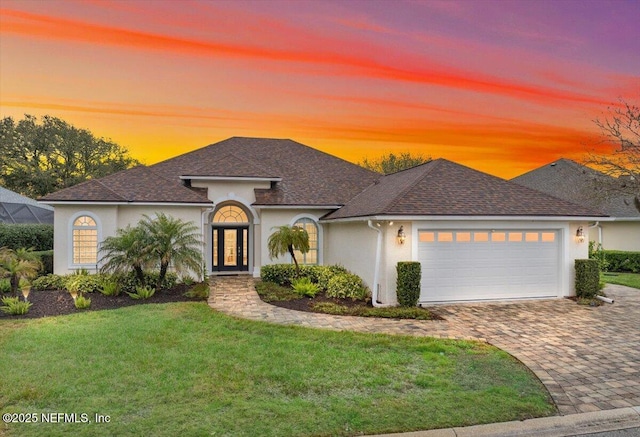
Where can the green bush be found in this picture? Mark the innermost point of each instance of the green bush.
(46, 257)
(15, 306)
(129, 282)
(304, 287)
(82, 302)
(408, 283)
(285, 274)
(597, 252)
(347, 285)
(142, 292)
(110, 287)
(199, 291)
(49, 282)
(16, 236)
(5, 286)
(620, 261)
(587, 278)
(281, 274)
(84, 283)
(325, 273)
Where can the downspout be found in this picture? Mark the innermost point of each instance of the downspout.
(205, 213)
(376, 274)
(597, 225)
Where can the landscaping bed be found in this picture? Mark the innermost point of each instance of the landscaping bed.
(56, 302)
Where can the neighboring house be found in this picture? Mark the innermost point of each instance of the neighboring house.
(577, 183)
(477, 236)
(16, 208)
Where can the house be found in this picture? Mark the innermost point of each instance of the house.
(577, 183)
(477, 236)
(18, 209)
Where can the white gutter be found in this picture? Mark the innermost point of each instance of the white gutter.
(204, 237)
(376, 274)
(597, 225)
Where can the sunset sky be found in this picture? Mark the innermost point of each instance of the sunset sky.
(501, 86)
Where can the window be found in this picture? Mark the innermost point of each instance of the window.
(230, 214)
(84, 240)
(426, 237)
(311, 227)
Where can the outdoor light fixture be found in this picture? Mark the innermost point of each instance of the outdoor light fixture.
(580, 235)
(401, 235)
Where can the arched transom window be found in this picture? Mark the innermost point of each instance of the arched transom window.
(311, 227)
(230, 214)
(85, 240)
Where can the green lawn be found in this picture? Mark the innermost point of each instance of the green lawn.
(628, 279)
(184, 369)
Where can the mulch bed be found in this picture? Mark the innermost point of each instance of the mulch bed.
(56, 303)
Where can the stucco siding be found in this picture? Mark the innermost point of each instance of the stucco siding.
(618, 235)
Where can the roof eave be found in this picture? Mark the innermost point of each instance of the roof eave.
(231, 178)
(522, 218)
(133, 202)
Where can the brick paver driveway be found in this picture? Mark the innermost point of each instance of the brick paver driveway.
(588, 358)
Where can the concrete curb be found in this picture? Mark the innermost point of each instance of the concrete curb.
(556, 426)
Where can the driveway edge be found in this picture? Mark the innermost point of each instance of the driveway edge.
(555, 426)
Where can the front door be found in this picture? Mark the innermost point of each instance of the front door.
(230, 248)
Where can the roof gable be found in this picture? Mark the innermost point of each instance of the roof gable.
(441, 187)
(568, 180)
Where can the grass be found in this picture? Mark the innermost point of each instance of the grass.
(270, 292)
(628, 279)
(184, 369)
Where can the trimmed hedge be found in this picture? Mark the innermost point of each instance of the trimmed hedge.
(37, 236)
(46, 257)
(347, 285)
(620, 261)
(587, 278)
(408, 283)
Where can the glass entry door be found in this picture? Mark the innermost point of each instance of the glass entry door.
(230, 248)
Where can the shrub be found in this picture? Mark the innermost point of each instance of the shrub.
(408, 283)
(596, 252)
(129, 282)
(325, 273)
(142, 293)
(82, 302)
(110, 287)
(304, 287)
(46, 258)
(49, 282)
(199, 291)
(81, 283)
(5, 286)
(16, 236)
(15, 306)
(587, 278)
(621, 261)
(187, 280)
(281, 274)
(347, 285)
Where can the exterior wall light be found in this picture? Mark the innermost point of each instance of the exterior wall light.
(401, 235)
(580, 235)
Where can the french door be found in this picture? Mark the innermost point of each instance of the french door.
(230, 248)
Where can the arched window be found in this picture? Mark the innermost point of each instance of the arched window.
(311, 227)
(84, 240)
(230, 214)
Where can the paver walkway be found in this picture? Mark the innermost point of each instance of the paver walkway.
(588, 358)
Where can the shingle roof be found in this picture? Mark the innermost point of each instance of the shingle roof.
(442, 187)
(571, 181)
(309, 176)
(138, 184)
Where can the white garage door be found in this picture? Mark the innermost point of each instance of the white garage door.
(462, 265)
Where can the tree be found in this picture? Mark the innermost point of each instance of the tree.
(127, 250)
(18, 264)
(37, 159)
(390, 163)
(287, 239)
(621, 132)
(172, 243)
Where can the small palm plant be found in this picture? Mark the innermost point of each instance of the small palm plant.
(18, 264)
(128, 249)
(288, 239)
(173, 243)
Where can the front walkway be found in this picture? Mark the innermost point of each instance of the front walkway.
(588, 358)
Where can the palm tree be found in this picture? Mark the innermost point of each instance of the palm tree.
(288, 239)
(173, 243)
(128, 249)
(18, 264)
